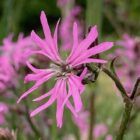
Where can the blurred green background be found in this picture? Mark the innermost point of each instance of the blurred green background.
(113, 17)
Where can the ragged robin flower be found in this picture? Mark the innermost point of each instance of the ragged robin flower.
(68, 83)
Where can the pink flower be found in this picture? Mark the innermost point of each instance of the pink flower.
(3, 111)
(100, 130)
(129, 44)
(68, 17)
(68, 84)
(62, 3)
(129, 68)
(17, 52)
(8, 75)
(82, 121)
(109, 137)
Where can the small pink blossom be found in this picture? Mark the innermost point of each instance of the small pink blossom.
(128, 68)
(17, 52)
(8, 75)
(109, 137)
(62, 3)
(3, 111)
(82, 121)
(70, 13)
(100, 130)
(68, 84)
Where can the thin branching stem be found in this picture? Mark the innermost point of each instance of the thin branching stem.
(117, 82)
(135, 88)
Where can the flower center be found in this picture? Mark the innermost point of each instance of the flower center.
(62, 69)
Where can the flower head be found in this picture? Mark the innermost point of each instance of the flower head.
(3, 111)
(70, 12)
(17, 52)
(68, 83)
(129, 68)
(8, 75)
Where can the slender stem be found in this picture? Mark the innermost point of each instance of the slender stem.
(117, 82)
(128, 105)
(135, 88)
(54, 131)
(125, 120)
(134, 116)
(92, 117)
(35, 130)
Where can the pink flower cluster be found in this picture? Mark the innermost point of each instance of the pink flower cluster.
(17, 52)
(8, 75)
(70, 13)
(129, 69)
(82, 121)
(62, 3)
(3, 111)
(68, 83)
(13, 55)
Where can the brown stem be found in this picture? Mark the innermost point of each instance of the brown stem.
(92, 117)
(33, 127)
(135, 88)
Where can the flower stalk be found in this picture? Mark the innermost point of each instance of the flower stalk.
(125, 120)
(92, 117)
(127, 100)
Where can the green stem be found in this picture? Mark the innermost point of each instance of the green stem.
(125, 120)
(35, 130)
(128, 105)
(135, 88)
(54, 130)
(27, 116)
(117, 82)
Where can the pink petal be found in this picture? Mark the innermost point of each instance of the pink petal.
(76, 95)
(71, 108)
(27, 92)
(84, 44)
(42, 45)
(43, 53)
(90, 60)
(38, 40)
(37, 84)
(93, 51)
(78, 83)
(48, 36)
(84, 72)
(75, 39)
(50, 101)
(60, 100)
(35, 70)
(34, 77)
(56, 35)
(44, 95)
(46, 28)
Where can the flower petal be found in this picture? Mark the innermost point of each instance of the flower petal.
(37, 84)
(93, 51)
(84, 44)
(49, 102)
(90, 60)
(76, 95)
(60, 100)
